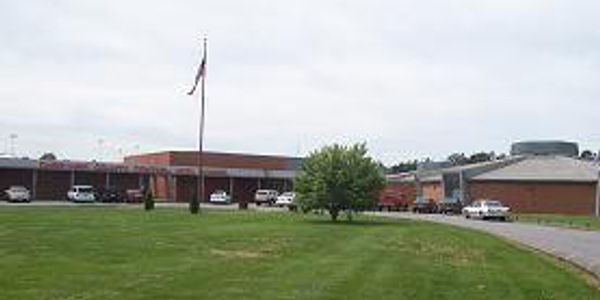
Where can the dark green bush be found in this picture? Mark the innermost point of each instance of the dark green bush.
(194, 205)
(148, 201)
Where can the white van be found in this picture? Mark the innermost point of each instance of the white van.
(265, 196)
(81, 193)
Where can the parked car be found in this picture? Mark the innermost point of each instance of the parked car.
(486, 209)
(219, 197)
(81, 193)
(134, 195)
(110, 195)
(268, 197)
(424, 206)
(285, 200)
(17, 193)
(450, 206)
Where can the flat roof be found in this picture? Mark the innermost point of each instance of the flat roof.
(545, 168)
(111, 167)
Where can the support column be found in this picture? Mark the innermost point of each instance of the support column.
(167, 186)
(597, 212)
(259, 183)
(72, 178)
(34, 176)
(418, 187)
(171, 187)
(107, 180)
(175, 196)
(140, 181)
(231, 188)
(462, 183)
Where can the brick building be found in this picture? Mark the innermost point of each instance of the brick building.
(541, 178)
(50, 180)
(238, 174)
(172, 175)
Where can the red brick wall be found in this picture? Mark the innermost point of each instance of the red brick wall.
(227, 160)
(212, 184)
(184, 188)
(212, 159)
(97, 180)
(53, 185)
(159, 185)
(394, 189)
(432, 190)
(10, 177)
(555, 197)
(244, 189)
(162, 158)
(124, 181)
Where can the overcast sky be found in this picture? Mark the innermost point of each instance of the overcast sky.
(413, 79)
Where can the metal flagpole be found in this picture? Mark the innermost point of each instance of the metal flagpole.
(201, 134)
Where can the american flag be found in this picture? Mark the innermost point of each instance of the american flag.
(201, 73)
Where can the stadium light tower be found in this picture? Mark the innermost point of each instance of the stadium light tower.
(13, 137)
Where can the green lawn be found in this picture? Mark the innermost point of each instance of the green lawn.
(582, 222)
(111, 253)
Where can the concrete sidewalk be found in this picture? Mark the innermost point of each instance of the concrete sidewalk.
(577, 246)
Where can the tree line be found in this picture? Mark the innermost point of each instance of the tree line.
(461, 159)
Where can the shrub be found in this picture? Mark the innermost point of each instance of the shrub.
(194, 205)
(148, 201)
(339, 179)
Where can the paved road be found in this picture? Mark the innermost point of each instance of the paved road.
(577, 246)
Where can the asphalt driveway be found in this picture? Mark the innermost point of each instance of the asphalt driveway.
(577, 246)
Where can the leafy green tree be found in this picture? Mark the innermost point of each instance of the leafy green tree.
(481, 157)
(48, 156)
(458, 159)
(339, 179)
(403, 167)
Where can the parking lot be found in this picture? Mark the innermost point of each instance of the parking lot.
(182, 205)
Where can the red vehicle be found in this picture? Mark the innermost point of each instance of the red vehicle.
(134, 195)
(396, 197)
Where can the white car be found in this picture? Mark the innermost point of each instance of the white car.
(81, 193)
(285, 199)
(266, 196)
(219, 197)
(486, 209)
(17, 193)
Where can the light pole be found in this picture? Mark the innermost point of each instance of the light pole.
(13, 137)
(100, 144)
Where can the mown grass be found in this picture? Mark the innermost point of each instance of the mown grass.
(108, 253)
(580, 222)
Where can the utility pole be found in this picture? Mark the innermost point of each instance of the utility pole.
(100, 144)
(13, 137)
